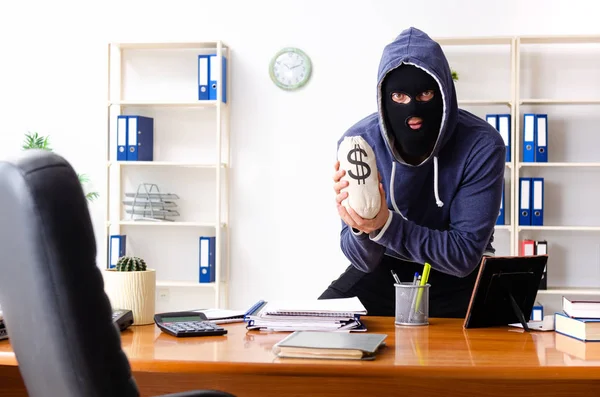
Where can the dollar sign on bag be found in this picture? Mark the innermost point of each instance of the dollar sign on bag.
(362, 169)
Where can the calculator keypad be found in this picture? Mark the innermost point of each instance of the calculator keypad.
(193, 327)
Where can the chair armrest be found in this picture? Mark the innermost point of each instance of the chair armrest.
(199, 393)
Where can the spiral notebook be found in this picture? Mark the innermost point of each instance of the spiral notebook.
(320, 315)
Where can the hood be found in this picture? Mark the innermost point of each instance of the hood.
(415, 47)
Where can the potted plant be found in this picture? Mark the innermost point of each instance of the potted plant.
(454, 75)
(35, 141)
(131, 285)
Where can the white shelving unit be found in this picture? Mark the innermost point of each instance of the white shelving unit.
(561, 265)
(555, 233)
(200, 168)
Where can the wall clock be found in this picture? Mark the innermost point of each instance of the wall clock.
(290, 68)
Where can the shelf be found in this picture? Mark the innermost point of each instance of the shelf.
(158, 103)
(491, 40)
(186, 284)
(562, 228)
(557, 164)
(485, 102)
(574, 39)
(502, 227)
(165, 224)
(169, 45)
(569, 291)
(540, 101)
(168, 102)
(163, 164)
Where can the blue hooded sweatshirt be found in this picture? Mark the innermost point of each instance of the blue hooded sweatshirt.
(441, 211)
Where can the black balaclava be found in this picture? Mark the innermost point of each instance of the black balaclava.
(412, 81)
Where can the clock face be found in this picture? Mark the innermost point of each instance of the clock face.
(290, 68)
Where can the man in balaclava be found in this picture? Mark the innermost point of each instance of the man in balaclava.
(413, 107)
(442, 175)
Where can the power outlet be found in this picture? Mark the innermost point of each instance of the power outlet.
(163, 294)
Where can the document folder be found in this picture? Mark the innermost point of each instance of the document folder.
(541, 139)
(121, 138)
(140, 138)
(203, 75)
(207, 259)
(537, 202)
(525, 201)
(214, 82)
(117, 248)
(504, 130)
(529, 138)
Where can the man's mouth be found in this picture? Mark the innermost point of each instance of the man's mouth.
(415, 123)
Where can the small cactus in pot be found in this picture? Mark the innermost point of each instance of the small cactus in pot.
(132, 285)
(130, 264)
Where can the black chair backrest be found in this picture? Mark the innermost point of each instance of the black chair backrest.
(51, 291)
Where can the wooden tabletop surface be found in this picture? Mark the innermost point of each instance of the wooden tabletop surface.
(442, 348)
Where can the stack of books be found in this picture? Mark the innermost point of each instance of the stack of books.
(307, 315)
(579, 319)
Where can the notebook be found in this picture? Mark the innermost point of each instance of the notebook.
(223, 316)
(341, 314)
(330, 345)
(341, 307)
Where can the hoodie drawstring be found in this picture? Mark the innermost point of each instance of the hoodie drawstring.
(435, 182)
(435, 186)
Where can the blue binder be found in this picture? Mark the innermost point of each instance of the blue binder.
(492, 119)
(537, 314)
(541, 138)
(504, 130)
(525, 201)
(501, 220)
(529, 138)
(537, 202)
(116, 249)
(207, 259)
(203, 76)
(213, 78)
(121, 138)
(140, 138)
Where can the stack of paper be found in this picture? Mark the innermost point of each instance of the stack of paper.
(307, 315)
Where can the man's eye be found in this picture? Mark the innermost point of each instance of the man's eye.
(399, 97)
(425, 95)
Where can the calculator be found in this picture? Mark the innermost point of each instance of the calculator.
(187, 323)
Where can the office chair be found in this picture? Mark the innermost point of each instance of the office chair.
(59, 319)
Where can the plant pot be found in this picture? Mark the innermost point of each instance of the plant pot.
(135, 291)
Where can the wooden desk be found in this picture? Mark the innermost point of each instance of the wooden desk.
(441, 359)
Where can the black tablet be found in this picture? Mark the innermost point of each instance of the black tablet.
(505, 291)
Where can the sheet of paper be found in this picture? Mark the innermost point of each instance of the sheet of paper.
(546, 325)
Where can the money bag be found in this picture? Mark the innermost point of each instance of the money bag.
(357, 158)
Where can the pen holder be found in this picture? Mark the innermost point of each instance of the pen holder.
(412, 304)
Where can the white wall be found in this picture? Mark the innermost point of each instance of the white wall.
(284, 225)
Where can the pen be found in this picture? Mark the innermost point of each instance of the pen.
(423, 282)
(413, 300)
(395, 277)
(416, 278)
